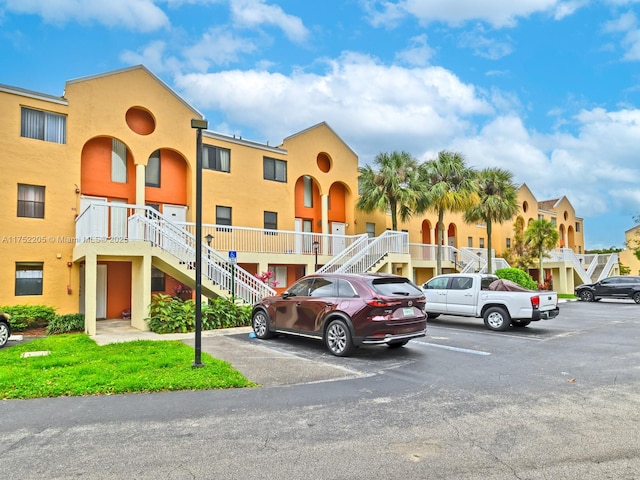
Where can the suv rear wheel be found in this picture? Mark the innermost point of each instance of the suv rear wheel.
(338, 339)
(636, 297)
(586, 296)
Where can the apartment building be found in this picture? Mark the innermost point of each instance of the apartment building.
(99, 189)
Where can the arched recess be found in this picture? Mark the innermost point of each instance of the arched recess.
(519, 224)
(571, 237)
(452, 241)
(426, 233)
(562, 239)
(339, 195)
(99, 170)
(308, 206)
(173, 175)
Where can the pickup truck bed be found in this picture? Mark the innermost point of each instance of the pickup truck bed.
(468, 295)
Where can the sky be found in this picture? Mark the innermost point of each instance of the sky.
(547, 89)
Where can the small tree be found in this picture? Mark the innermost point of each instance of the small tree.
(519, 254)
(541, 236)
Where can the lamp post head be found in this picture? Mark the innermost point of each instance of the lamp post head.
(208, 237)
(199, 123)
(315, 245)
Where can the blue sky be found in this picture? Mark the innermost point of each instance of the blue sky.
(548, 89)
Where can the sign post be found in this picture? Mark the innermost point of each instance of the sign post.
(233, 259)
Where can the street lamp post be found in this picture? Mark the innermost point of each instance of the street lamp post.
(455, 261)
(199, 125)
(315, 244)
(209, 238)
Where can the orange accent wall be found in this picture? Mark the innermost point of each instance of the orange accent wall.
(311, 213)
(118, 288)
(337, 201)
(173, 180)
(140, 121)
(95, 175)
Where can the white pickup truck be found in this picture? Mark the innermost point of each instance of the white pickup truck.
(468, 295)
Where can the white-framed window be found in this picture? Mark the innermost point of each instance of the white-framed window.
(371, 229)
(47, 126)
(481, 242)
(157, 280)
(28, 278)
(470, 242)
(152, 172)
(275, 170)
(307, 183)
(279, 275)
(118, 161)
(216, 158)
(578, 227)
(30, 201)
(508, 242)
(223, 215)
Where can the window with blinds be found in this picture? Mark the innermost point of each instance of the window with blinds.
(30, 201)
(40, 125)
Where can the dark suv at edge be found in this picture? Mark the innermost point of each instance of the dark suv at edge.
(625, 286)
(345, 310)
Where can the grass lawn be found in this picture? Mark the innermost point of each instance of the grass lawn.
(568, 296)
(76, 365)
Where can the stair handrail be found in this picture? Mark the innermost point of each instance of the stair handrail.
(178, 242)
(345, 255)
(611, 261)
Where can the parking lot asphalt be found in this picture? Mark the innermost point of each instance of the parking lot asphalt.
(263, 365)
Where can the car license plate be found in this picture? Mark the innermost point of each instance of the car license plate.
(407, 312)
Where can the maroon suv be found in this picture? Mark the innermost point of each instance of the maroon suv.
(345, 310)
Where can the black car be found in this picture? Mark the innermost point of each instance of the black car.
(611, 287)
(5, 329)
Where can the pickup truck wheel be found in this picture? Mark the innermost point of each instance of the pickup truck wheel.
(433, 315)
(4, 334)
(520, 323)
(497, 318)
(586, 296)
(636, 297)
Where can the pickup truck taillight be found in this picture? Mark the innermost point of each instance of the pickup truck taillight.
(535, 302)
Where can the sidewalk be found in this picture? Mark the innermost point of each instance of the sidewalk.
(259, 360)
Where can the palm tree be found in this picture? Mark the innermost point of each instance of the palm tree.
(393, 186)
(498, 202)
(541, 235)
(450, 187)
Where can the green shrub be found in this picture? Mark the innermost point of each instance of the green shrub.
(172, 315)
(518, 276)
(72, 322)
(23, 317)
(223, 313)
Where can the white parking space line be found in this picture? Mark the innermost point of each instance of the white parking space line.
(453, 349)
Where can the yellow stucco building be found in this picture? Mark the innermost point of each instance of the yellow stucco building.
(99, 190)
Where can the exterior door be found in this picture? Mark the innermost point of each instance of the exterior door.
(460, 296)
(98, 225)
(172, 238)
(338, 244)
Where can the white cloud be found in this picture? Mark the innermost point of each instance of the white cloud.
(218, 46)
(418, 54)
(484, 46)
(254, 13)
(378, 106)
(497, 13)
(140, 15)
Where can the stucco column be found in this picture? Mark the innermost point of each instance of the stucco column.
(140, 290)
(140, 184)
(432, 236)
(324, 201)
(90, 292)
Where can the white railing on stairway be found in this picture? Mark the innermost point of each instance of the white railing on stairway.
(567, 255)
(121, 222)
(369, 252)
(611, 261)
